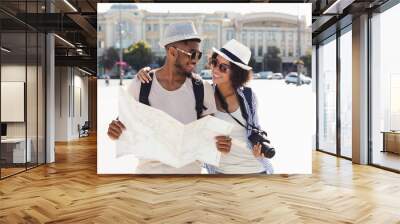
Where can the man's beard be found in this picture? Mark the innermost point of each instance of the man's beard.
(180, 69)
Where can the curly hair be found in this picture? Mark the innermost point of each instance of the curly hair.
(238, 75)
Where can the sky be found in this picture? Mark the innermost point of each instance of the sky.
(244, 8)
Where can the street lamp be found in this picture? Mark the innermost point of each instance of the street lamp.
(121, 72)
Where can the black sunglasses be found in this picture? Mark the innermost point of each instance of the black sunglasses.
(193, 54)
(221, 66)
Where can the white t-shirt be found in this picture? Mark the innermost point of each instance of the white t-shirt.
(180, 104)
(239, 160)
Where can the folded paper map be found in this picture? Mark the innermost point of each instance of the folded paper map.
(153, 134)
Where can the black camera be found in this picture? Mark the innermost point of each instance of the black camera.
(259, 136)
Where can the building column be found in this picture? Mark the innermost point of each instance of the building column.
(360, 90)
(238, 32)
(219, 40)
(295, 41)
(265, 43)
(286, 44)
(143, 28)
(50, 98)
(161, 33)
(255, 45)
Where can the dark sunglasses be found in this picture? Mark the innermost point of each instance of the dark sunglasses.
(193, 54)
(222, 67)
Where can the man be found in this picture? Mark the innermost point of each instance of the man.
(172, 91)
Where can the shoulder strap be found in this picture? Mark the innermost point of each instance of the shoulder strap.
(248, 97)
(145, 91)
(248, 94)
(198, 90)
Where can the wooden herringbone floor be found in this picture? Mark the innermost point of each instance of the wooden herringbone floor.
(70, 191)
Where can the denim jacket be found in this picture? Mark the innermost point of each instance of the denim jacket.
(252, 119)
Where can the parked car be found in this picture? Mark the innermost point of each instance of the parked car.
(154, 65)
(129, 75)
(292, 77)
(265, 74)
(277, 76)
(306, 79)
(256, 75)
(206, 74)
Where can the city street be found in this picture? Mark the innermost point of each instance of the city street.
(286, 113)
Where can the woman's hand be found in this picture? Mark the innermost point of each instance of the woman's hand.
(223, 144)
(257, 151)
(143, 75)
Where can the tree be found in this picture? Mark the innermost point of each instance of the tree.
(307, 63)
(138, 55)
(108, 59)
(272, 60)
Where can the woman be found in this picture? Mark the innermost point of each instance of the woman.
(230, 72)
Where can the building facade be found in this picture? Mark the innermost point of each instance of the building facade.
(257, 30)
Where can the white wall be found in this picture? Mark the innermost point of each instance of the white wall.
(61, 103)
(12, 101)
(80, 96)
(71, 87)
(33, 126)
(14, 73)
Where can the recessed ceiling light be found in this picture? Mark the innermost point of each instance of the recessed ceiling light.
(64, 40)
(338, 6)
(70, 5)
(86, 72)
(5, 49)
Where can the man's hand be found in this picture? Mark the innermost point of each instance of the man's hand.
(115, 129)
(143, 75)
(223, 144)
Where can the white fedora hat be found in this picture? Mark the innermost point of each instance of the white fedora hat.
(235, 52)
(179, 31)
